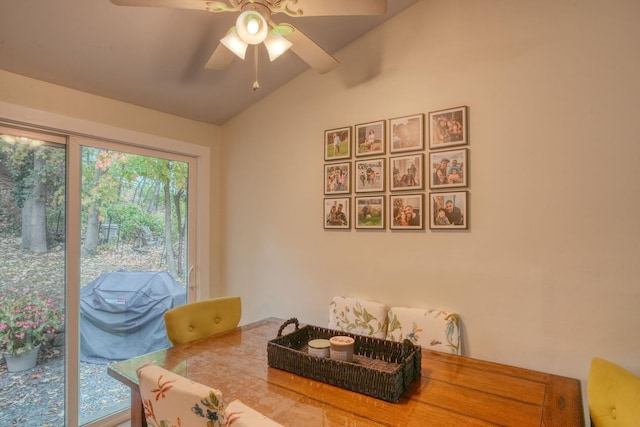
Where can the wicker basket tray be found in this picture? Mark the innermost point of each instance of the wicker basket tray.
(380, 368)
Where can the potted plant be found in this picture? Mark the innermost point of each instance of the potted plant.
(27, 320)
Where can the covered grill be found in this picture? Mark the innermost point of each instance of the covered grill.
(121, 314)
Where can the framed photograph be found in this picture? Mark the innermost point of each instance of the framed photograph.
(406, 133)
(406, 172)
(337, 178)
(336, 213)
(369, 175)
(448, 127)
(449, 210)
(337, 143)
(369, 212)
(406, 212)
(370, 138)
(448, 169)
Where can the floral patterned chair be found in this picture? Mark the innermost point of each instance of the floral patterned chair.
(169, 399)
(431, 329)
(358, 316)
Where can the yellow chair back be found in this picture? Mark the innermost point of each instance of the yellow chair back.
(613, 394)
(200, 319)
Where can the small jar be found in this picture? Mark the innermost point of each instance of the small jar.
(342, 348)
(319, 348)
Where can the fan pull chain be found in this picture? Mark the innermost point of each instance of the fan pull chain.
(256, 85)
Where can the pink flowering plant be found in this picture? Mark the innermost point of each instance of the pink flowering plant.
(27, 319)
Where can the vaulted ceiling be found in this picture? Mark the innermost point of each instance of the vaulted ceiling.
(155, 57)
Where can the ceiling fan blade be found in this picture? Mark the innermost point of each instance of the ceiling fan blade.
(221, 58)
(291, 7)
(212, 6)
(334, 7)
(310, 52)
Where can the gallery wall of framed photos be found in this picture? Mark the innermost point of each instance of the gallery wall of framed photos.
(399, 173)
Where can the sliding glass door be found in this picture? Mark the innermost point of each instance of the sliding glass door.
(133, 220)
(103, 233)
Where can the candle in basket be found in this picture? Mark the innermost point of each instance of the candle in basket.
(342, 348)
(319, 347)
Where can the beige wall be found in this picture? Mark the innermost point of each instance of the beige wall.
(74, 107)
(547, 275)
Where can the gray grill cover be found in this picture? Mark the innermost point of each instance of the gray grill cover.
(121, 314)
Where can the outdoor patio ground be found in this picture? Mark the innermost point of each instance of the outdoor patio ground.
(35, 398)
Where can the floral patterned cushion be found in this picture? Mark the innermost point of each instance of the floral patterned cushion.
(431, 329)
(171, 400)
(240, 415)
(358, 316)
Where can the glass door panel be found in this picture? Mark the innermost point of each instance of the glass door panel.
(32, 277)
(133, 266)
(73, 212)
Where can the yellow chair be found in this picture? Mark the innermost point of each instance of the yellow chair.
(613, 394)
(200, 319)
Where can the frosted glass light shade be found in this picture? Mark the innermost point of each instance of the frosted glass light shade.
(8, 139)
(252, 27)
(276, 45)
(235, 44)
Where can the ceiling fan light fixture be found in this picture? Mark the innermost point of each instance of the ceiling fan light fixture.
(276, 45)
(8, 139)
(235, 44)
(22, 140)
(252, 27)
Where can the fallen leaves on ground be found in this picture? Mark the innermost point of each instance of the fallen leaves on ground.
(36, 397)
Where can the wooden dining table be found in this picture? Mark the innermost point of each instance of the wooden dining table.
(451, 391)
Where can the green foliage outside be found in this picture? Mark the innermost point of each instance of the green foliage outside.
(19, 162)
(126, 189)
(130, 218)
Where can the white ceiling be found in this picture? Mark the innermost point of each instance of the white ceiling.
(154, 57)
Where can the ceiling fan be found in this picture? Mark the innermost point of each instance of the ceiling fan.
(254, 26)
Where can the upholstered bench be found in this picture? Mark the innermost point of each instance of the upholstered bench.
(431, 329)
(358, 316)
